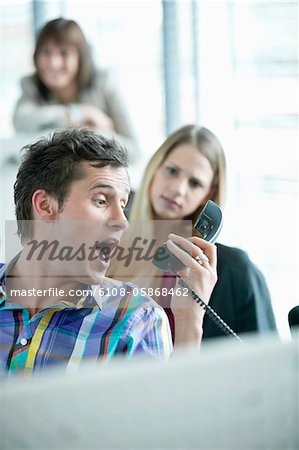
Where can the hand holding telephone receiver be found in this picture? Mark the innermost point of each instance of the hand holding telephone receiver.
(208, 224)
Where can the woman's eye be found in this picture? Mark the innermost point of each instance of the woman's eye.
(64, 52)
(45, 51)
(195, 183)
(171, 170)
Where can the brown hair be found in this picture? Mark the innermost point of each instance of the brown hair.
(63, 31)
(53, 163)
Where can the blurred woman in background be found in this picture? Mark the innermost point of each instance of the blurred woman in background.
(185, 172)
(67, 90)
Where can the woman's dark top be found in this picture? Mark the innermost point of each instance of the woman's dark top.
(240, 297)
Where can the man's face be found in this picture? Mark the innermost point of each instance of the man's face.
(92, 215)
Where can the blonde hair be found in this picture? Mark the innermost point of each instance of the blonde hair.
(207, 144)
(142, 216)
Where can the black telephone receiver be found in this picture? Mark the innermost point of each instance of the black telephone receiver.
(208, 224)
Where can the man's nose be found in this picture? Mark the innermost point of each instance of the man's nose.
(118, 220)
(118, 225)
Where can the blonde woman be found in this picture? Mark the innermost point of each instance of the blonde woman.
(187, 170)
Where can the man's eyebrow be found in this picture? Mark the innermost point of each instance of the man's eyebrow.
(101, 186)
(107, 186)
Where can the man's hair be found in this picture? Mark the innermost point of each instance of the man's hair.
(53, 163)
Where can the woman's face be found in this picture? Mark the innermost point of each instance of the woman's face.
(181, 184)
(57, 65)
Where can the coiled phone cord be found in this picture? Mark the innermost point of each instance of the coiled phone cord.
(210, 312)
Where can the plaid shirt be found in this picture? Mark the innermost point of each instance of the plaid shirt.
(126, 322)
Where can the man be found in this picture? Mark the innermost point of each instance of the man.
(57, 306)
(70, 194)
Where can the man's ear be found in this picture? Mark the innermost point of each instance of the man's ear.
(44, 205)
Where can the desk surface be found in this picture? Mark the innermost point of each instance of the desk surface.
(228, 397)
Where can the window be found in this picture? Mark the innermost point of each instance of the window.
(234, 70)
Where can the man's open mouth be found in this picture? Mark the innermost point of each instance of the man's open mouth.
(105, 249)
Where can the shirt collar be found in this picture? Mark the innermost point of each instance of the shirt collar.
(89, 301)
(4, 270)
(2, 294)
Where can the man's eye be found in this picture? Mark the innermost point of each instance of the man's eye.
(100, 201)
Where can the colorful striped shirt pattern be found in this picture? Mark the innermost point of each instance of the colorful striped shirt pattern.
(95, 328)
